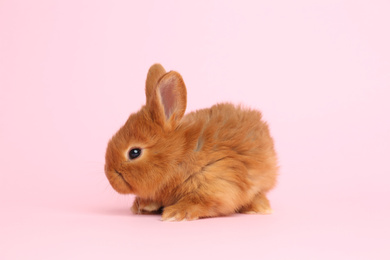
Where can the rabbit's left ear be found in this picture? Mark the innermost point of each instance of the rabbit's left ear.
(156, 71)
(168, 101)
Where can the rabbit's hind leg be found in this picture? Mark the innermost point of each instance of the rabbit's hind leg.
(259, 205)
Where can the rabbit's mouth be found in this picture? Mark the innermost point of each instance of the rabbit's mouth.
(120, 175)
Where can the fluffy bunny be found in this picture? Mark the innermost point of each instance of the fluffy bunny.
(208, 163)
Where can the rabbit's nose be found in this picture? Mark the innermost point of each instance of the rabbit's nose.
(106, 168)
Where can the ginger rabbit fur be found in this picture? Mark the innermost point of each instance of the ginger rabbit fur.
(211, 162)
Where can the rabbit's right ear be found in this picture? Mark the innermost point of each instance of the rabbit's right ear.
(156, 71)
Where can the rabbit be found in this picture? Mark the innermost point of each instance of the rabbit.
(208, 163)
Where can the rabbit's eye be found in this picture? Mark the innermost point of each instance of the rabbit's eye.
(134, 153)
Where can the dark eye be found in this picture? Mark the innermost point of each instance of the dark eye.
(134, 153)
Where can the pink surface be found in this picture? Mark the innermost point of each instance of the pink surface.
(72, 71)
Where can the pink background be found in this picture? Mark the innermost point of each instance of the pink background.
(72, 71)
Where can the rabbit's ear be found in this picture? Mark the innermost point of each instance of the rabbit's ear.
(156, 71)
(167, 104)
(173, 94)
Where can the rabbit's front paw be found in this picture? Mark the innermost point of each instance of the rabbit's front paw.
(181, 213)
(141, 206)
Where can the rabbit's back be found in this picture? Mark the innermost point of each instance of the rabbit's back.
(225, 131)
